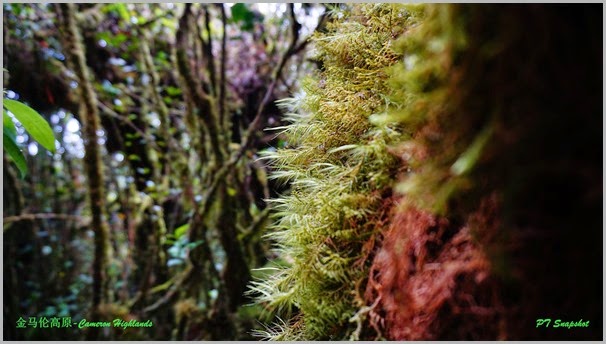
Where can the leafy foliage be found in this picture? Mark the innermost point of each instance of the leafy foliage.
(10, 146)
(33, 123)
(241, 13)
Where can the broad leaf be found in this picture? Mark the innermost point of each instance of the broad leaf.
(35, 124)
(8, 124)
(181, 230)
(10, 146)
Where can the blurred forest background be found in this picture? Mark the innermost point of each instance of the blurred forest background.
(303, 171)
(177, 97)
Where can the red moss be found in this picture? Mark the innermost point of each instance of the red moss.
(430, 280)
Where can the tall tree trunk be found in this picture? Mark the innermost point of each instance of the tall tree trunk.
(88, 113)
(236, 274)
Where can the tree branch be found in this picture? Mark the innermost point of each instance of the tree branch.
(107, 111)
(193, 90)
(9, 221)
(321, 23)
(222, 96)
(208, 52)
(170, 295)
(44, 216)
(71, 40)
(255, 226)
(259, 120)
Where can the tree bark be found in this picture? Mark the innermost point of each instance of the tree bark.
(74, 50)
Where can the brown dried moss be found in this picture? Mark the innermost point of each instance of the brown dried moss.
(433, 281)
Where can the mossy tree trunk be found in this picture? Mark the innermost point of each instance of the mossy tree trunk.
(203, 109)
(74, 50)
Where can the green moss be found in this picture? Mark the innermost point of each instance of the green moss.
(448, 143)
(339, 167)
(449, 105)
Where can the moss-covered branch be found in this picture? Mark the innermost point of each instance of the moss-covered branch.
(74, 50)
(203, 103)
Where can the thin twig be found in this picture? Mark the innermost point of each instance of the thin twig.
(202, 101)
(208, 51)
(9, 220)
(106, 110)
(292, 50)
(255, 125)
(185, 275)
(254, 227)
(321, 23)
(222, 116)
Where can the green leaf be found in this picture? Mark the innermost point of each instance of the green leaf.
(117, 40)
(173, 91)
(241, 13)
(111, 89)
(9, 125)
(35, 124)
(10, 146)
(120, 9)
(468, 159)
(193, 245)
(181, 230)
(112, 40)
(162, 56)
